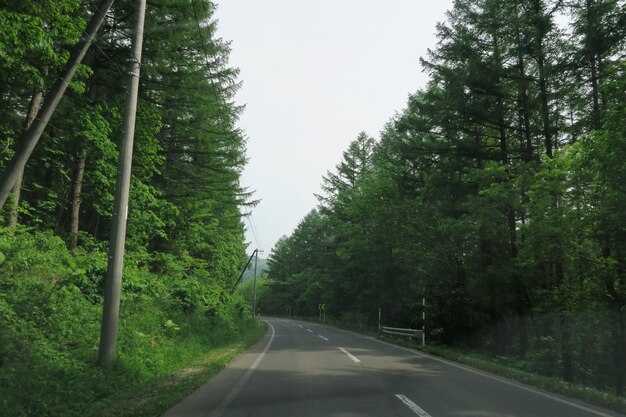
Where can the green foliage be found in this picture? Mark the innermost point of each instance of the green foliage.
(497, 194)
(50, 304)
(188, 155)
(184, 237)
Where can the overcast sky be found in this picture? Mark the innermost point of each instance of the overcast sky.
(316, 73)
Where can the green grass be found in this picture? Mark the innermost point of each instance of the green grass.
(173, 334)
(156, 396)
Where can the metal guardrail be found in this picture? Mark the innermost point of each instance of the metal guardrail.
(415, 333)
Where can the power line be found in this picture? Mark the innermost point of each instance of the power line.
(221, 102)
(256, 230)
(253, 230)
(218, 97)
(116, 67)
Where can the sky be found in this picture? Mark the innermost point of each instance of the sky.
(316, 73)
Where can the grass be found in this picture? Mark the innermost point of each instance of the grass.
(169, 342)
(155, 397)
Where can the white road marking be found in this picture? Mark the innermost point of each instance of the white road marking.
(350, 355)
(309, 330)
(237, 388)
(320, 336)
(300, 326)
(414, 407)
(495, 378)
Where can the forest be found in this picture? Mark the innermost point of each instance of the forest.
(497, 194)
(185, 239)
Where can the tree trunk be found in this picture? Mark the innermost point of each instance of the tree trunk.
(540, 57)
(619, 359)
(522, 98)
(567, 364)
(524, 115)
(33, 109)
(79, 171)
(15, 200)
(543, 93)
(616, 301)
(594, 63)
(522, 329)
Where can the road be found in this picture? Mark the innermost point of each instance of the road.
(301, 369)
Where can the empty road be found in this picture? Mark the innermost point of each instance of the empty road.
(301, 369)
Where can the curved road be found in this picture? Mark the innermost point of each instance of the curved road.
(301, 369)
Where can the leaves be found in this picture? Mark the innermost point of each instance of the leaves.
(184, 236)
(495, 191)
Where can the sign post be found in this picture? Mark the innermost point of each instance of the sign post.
(322, 308)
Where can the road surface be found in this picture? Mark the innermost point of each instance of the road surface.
(301, 369)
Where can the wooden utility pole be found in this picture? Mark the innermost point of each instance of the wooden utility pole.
(113, 283)
(31, 136)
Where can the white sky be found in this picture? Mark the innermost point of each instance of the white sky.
(315, 73)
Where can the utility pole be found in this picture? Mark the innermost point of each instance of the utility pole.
(31, 136)
(243, 271)
(256, 258)
(113, 283)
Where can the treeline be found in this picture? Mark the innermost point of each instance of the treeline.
(185, 193)
(185, 243)
(498, 192)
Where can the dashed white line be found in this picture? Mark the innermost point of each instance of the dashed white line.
(350, 355)
(493, 377)
(322, 337)
(309, 330)
(300, 326)
(412, 406)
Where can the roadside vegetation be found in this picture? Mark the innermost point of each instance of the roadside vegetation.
(185, 233)
(497, 194)
(170, 339)
(525, 372)
(519, 370)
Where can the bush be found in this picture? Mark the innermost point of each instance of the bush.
(50, 313)
(354, 320)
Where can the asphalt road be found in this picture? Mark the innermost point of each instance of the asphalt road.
(301, 369)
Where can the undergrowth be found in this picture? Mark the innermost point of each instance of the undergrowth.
(50, 312)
